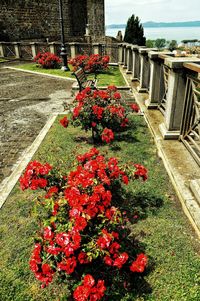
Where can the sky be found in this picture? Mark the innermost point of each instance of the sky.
(118, 11)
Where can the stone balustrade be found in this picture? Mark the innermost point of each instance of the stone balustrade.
(160, 74)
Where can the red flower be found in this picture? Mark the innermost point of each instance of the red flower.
(121, 260)
(83, 258)
(108, 260)
(68, 265)
(80, 223)
(140, 172)
(88, 280)
(107, 135)
(135, 107)
(64, 122)
(117, 95)
(48, 234)
(139, 264)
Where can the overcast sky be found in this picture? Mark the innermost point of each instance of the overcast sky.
(118, 11)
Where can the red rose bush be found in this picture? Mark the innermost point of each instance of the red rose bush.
(47, 60)
(82, 235)
(91, 64)
(103, 112)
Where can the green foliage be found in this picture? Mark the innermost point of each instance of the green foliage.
(172, 45)
(160, 43)
(134, 32)
(150, 43)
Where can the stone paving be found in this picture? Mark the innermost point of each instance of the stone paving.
(26, 102)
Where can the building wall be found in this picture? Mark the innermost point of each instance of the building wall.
(39, 19)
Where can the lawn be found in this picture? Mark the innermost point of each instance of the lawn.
(111, 76)
(162, 230)
(2, 60)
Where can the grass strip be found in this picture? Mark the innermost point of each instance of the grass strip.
(112, 76)
(161, 228)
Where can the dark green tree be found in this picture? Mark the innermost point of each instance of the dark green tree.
(172, 45)
(160, 43)
(134, 32)
(150, 43)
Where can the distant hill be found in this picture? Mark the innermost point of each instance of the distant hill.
(161, 24)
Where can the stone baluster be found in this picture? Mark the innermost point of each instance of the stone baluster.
(156, 84)
(2, 49)
(120, 54)
(96, 48)
(52, 47)
(17, 50)
(144, 69)
(34, 48)
(135, 63)
(125, 56)
(170, 128)
(73, 49)
(129, 59)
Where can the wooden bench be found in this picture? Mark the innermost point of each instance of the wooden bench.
(82, 80)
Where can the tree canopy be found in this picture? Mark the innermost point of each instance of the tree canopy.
(134, 32)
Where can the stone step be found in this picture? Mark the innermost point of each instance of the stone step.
(195, 188)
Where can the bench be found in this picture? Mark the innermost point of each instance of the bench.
(82, 80)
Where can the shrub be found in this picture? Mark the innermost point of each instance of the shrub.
(47, 60)
(103, 112)
(91, 64)
(80, 228)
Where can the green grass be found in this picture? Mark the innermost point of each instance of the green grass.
(112, 76)
(162, 230)
(2, 60)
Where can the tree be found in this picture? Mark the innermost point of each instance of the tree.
(172, 45)
(150, 43)
(160, 43)
(134, 32)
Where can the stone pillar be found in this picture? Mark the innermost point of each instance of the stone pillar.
(17, 50)
(2, 52)
(135, 63)
(170, 128)
(129, 59)
(120, 54)
(34, 47)
(156, 85)
(124, 56)
(96, 48)
(73, 49)
(52, 47)
(144, 70)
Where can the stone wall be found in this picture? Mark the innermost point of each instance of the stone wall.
(39, 19)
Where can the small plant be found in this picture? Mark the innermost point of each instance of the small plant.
(81, 229)
(92, 64)
(103, 112)
(47, 60)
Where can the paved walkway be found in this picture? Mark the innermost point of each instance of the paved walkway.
(26, 102)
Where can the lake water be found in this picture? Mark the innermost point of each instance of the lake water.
(168, 33)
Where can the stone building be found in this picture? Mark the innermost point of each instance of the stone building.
(31, 20)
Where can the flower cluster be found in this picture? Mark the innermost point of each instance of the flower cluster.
(82, 228)
(47, 60)
(35, 176)
(104, 112)
(88, 290)
(91, 64)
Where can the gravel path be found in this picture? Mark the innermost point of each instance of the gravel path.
(26, 102)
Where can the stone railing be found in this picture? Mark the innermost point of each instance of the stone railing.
(173, 87)
(28, 51)
(171, 82)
